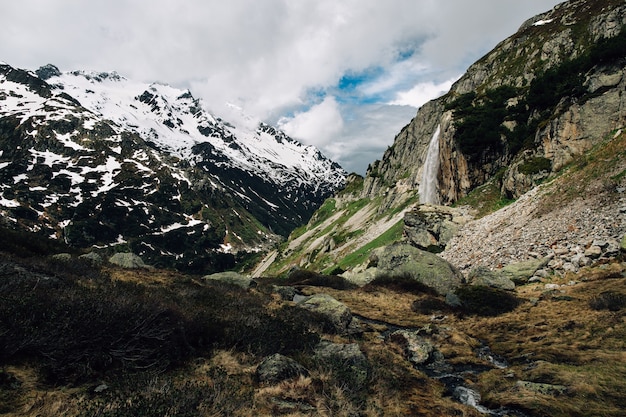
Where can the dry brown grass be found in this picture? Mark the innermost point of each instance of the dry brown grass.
(561, 341)
(556, 339)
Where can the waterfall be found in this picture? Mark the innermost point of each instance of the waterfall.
(429, 188)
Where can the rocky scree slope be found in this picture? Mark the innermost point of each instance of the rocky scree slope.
(95, 159)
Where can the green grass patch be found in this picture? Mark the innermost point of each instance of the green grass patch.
(485, 199)
(393, 234)
(324, 212)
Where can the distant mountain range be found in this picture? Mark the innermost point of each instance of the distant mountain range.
(97, 159)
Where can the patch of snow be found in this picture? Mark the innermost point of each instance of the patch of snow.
(4, 164)
(8, 203)
(19, 178)
(543, 22)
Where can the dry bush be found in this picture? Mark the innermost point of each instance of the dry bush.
(399, 283)
(486, 301)
(305, 277)
(608, 300)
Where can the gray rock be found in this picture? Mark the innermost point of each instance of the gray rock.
(233, 278)
(127, 260)
(453, 300)
(101, 388)
(417, 349)
(337, 314)
(93, 257)
(431, 227)
(425, 267)
(593, 252)
(285, 292)
(63, 257)
(546, 389)
(569, 267)
(612, 249)
(581, 260)
(277, 367)
(361, 277)
(346, 361)
(487, 278)
(521, 272)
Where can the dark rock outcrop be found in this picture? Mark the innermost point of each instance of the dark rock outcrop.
(277, 368)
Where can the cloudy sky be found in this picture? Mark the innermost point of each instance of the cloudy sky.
(344, 75)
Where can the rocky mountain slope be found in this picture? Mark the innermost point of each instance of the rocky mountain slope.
(536, 107)
(95, 159)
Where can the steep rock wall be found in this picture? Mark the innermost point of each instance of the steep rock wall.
(542, 43)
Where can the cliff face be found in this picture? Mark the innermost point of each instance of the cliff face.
(548, 96)
(543, 96)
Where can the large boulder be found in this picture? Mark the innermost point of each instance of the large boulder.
(277, 368)
(427, 268)
(431, 227)
(346, 362)
(232, 278)
(417, 349)
(127, 260)
(521, 272)
(335, 313)
(487, 278)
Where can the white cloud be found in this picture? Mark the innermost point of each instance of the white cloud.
(265, 56)
(317, 126)
(423, 93)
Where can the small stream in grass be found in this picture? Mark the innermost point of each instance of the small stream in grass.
(455, 376)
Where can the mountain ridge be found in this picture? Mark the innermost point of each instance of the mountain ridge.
(523, 114)
(96, 159)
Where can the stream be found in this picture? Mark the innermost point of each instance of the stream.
(454, 376)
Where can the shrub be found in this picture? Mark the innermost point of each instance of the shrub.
(401, 282)
(305, 277)
(486, 301)
(608, 300)
(77, 333)
(536, 165)
(261, 333)
(26, 244)
(429, 305)
(150, 396)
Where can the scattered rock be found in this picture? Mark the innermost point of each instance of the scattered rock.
(417, 349)
(593, 252)
(427, 268)
(101, 388)
(277, 368)
(361, 277)
(431, 227)
(569, 267)
(487, 278)
(286, 293)
(63, 257)
(346, 361)
(93, 257)
(232, 278)
(453, 300)
(336, 313)
(127, 260)
(521, 272)
(545, 389)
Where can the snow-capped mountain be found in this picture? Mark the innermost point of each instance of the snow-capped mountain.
(97, 159)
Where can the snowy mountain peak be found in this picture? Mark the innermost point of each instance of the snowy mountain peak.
(98, 159)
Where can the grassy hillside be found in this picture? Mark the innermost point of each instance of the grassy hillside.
(86, 340)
